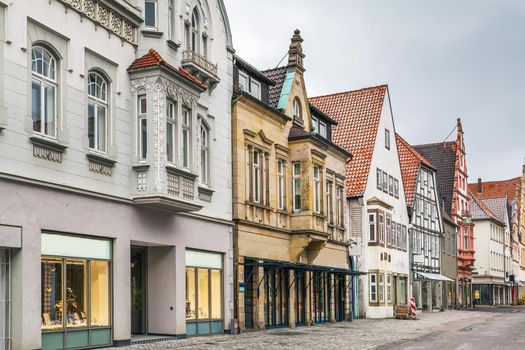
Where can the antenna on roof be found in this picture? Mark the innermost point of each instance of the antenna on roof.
(286, 54)
(450, 133)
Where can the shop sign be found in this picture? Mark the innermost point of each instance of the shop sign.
(476, 294)
(242, 287)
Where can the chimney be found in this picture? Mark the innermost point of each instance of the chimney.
(295, 52)
(480, 186)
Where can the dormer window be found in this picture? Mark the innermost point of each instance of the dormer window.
(297, 110)
(249, 85)
(319, 127)
(150, 14)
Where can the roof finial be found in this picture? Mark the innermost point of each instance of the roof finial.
(460, 128)
(295, 52)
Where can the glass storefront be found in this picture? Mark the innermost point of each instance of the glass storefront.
(203, 293)
(76, 292)
(4, 299)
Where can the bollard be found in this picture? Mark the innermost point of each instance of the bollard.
(413, 308)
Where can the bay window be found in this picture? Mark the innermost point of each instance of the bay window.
(171, 131)
(44, 86)
(381, 286)
(389, 288)
(97, 112)
(372, 226)
(296, 186)
(329, 202)
(142, 127)
(381, 228)
(317, 189)
(340, 206)
(280, 184)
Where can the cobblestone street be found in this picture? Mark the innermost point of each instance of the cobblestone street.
(360, 334)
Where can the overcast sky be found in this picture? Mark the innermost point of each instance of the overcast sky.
(442, 59)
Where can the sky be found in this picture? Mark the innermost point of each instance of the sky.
(441, 59)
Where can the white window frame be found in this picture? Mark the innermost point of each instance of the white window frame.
(381, 287)
(297, 109)
(256, 171)
(205, 155)
(389, 288)
(373, 287)
(340, 198)
(99, 102)
(296, 178)
(387, 138)
(382, 223)
(186, 137)
(156, 7)
(244, 87)
(317, 189)
(171, 123)
(142, 117)
(315, 125)
(379, 179)
(256, 83)
(323, 129)
(280, 184)
(43, 81)
(195, 35)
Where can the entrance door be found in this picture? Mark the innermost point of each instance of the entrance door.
(138, 290)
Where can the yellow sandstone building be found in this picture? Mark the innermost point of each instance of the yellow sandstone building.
(290, 238)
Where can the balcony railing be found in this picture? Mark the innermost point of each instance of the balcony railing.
(200, 66)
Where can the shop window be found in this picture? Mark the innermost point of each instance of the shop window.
(76, 294)
(191, 301)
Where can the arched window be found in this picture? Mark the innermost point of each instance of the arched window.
(44, 86)
(297, 110)
(205, 154)
(195, 26)
(97, 111)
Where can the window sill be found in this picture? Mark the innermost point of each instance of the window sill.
(319, 215)
(140, 167)
(173, 45)
(101, 159)
(49, 144)
(259, 205)
(181, 172)
(152, 33)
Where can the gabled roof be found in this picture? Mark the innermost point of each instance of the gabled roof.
(480, 211)
(498, 206)
(358, 114)
(442, 156)
(496, 189)
(277, 75)
(410, 161)
(152, 59)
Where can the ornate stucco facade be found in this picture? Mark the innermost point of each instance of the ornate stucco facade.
(290, 241)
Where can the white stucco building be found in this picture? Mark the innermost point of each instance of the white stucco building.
(377, 206)
(115, 171)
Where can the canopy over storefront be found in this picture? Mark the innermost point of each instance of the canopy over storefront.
(434, 276)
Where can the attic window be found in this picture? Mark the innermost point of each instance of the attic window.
(249, 85)
(387, 139)
(297, 110)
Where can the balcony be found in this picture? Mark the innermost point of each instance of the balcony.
(177, 193)
(199, 66)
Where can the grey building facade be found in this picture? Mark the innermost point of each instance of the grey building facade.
(449, 265)
(115, 171)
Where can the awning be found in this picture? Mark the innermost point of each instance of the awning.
(434, 276)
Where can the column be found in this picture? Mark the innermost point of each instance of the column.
(291, 299)
(180, 290)
(331, 292)
(259, 319)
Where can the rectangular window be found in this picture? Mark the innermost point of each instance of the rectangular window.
(203, 297)
(381, 228)
(100, 293)
(394, 235)
(143, 127)
(372, 226)
(256, 190)
(390, 185)
(388, 231)
(315, 125)
(373, 288)
(186, 137)
(396, 188)
(255, 89)
(387, 139)
(243, 82)
(465, 240)
(340, 206)
(280, 184)
(389, 288)
(329, 201)
(296, 186)
(317, 189)
(385, 182)
(400, 237)
(404, 238)
(379, 179)
(381, 287)
(170, 131)
(322, 129)
(150, 14)
(216, 294)
(191, 300)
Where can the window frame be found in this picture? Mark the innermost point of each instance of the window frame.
(389, 288)
(256, 83)
(379, 179)
(256, 175)
(387, 138)
(329, 201)
(99, 102)
(142, 127)
(44, 81)
(280, 184)
(373, 284)
(156, 14)
(381, 287)
(205, 154)
(317, 189)
(186, 125)
(195, 34)
(171, 122)
(296, 179)
(297, 110)
(372, 225)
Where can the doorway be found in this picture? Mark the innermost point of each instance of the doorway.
(138, 282)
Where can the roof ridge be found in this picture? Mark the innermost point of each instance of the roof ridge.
(156, 55)
(350, 91)
(270, 69)
(434, 143)
(498, 181)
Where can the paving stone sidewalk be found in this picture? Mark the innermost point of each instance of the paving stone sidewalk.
(360, 334)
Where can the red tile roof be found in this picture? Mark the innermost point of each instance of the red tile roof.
(496, 189)
(410, 161)
(358, 114)
(153, 60)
